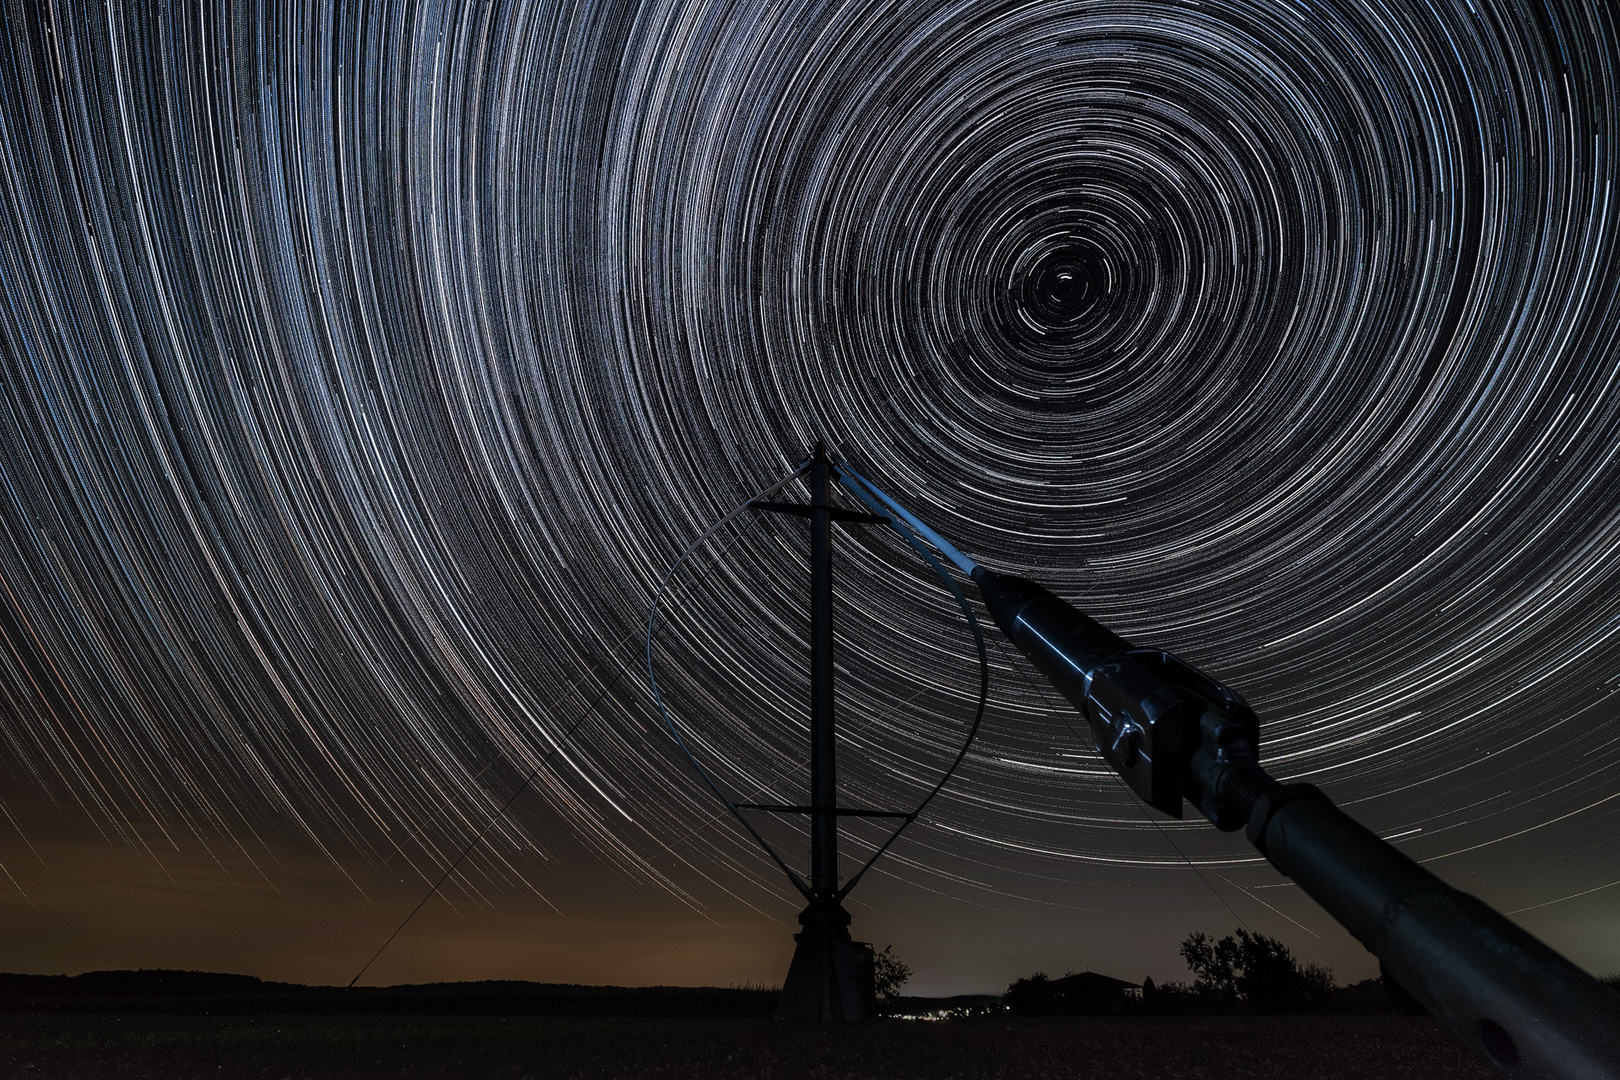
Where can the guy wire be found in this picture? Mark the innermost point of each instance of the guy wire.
(521, 788)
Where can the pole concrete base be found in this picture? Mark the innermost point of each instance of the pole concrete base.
(830, 978)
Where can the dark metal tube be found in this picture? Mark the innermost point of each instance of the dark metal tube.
(823, 744)
(1135, 719)
(1514, 1001)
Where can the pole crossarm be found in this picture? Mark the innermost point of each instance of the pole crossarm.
(842, 811)
(850, 517)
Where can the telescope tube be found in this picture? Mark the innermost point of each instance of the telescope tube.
(1170, 731)
(1514, 1001)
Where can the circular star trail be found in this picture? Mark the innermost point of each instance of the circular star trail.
(366, 365)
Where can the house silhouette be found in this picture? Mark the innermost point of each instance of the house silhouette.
(1089, 991)
(1075, 994)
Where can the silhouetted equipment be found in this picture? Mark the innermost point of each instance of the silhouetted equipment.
(831, 976)
(1174, 733)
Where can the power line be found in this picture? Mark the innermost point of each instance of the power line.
(491, 824)
(521, 788)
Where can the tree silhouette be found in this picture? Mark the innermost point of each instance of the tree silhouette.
(889, 973)
(1253, 969)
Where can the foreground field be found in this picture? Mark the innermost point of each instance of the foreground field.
(68, 1047)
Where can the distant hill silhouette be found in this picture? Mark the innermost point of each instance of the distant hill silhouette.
(153, 982)
(207, 992)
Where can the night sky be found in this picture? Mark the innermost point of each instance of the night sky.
(365, 366)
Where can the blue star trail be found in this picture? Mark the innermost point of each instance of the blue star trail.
(366, 365)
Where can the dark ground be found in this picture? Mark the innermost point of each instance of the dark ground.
(136, 1047)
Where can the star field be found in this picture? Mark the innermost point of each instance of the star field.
(366, 366)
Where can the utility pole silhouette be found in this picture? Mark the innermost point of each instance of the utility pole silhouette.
(830, 977)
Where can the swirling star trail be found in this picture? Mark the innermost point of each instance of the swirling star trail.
(365, 366)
